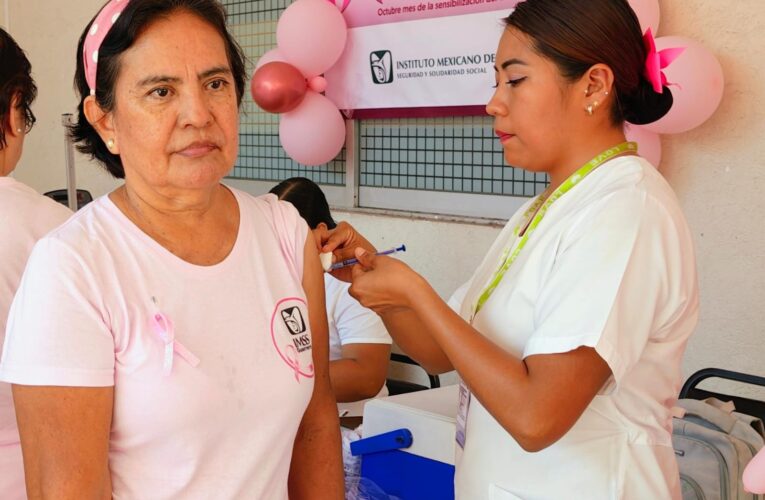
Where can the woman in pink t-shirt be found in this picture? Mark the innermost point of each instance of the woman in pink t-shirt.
(170, 340)
(25, 217)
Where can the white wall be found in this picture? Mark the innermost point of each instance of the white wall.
(717, 170)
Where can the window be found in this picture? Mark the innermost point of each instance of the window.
(451, 166)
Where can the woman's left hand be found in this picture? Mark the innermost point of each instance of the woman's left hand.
(384, 284)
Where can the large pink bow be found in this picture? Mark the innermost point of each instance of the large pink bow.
(656, 61)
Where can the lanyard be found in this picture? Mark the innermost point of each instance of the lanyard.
(540, 207)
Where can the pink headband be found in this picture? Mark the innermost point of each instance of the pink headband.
(657, 61)
(98, 31)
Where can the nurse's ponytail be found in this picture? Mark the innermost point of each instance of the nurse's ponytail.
(577, 34)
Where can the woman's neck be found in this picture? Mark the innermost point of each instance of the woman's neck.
(581, 152)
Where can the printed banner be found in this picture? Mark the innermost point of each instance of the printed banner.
(370, 12)
(404, 67)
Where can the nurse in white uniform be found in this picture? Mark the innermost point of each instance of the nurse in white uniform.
(569, 336)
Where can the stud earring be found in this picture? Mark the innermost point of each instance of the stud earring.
(110, 144)
(590, 108)
(606, 92)
(18, 130)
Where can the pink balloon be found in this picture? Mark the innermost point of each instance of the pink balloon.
(272, 55)
(649, 143)
(754, 475)
(278, 87)
(314, 132)
(699, 86)
(648, 13)
(311, 35)
(318, 84)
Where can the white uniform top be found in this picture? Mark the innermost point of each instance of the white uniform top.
(351, 323)
(611, 266)
(25, 217)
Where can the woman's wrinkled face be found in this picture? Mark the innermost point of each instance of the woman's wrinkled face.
(531, 107)
(176, 117)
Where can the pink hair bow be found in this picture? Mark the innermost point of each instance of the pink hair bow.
(656, 61)
(95, 37)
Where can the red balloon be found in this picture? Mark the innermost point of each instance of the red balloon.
(278, 87)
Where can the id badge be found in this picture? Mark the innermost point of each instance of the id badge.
(462, 413)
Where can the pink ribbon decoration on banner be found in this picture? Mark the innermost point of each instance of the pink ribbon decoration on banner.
(657, 61)
(163, 327)
(98, 31)
(345, 4)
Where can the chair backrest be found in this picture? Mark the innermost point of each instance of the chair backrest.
(60, 195)
(396, 386)
(743, 405)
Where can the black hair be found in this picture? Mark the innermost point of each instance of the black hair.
(136, 17)
(308, 198)
(577, 34)
(15, 81)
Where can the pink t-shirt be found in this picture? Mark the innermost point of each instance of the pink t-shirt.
(96, 308)
(25, 217)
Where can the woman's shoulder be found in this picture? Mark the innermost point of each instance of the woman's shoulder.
(269, 209)
(95, 222)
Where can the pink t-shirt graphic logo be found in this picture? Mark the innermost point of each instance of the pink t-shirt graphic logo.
(291, 336)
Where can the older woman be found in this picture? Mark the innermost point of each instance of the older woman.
(570, 334)
(25, 216)
(170, 341)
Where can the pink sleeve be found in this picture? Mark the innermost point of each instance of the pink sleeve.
(291, 230)
(56, 333)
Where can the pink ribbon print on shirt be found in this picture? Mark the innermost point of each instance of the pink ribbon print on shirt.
(164, 329)
(291, 335)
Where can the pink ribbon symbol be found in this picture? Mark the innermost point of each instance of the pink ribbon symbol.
(657, 61)
(163, 327)
(346, 3)
(293, 361)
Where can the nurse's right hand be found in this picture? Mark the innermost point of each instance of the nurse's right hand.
(342, 241)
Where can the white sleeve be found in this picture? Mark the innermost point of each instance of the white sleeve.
(357, 324)
(57, 333)
(609, 280)
(455, 301)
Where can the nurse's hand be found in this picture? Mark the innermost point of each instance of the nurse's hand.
(384, 284)
(342, 242)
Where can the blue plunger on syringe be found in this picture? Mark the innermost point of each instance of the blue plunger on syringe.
(350, 262)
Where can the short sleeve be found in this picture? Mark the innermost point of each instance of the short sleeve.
(458, 297)
(608, 281)
(292, 231)
(56, 332)
(356, 324)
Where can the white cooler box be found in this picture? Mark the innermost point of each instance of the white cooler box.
(408, 444)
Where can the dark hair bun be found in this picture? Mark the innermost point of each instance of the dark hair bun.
(645, 105)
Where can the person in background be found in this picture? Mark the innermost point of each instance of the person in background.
(25, 217)
(569, 336)
(170, 341)
(359, 345)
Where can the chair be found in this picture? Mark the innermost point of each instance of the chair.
(403, 386)
(60, 195)
(743, 405)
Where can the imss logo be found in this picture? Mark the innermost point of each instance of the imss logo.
(294, 320)
(381, 62)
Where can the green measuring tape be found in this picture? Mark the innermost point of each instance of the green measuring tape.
(540, 207)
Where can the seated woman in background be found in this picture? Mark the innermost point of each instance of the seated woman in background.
(169, 341)
(25, 217)
(359, 344)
